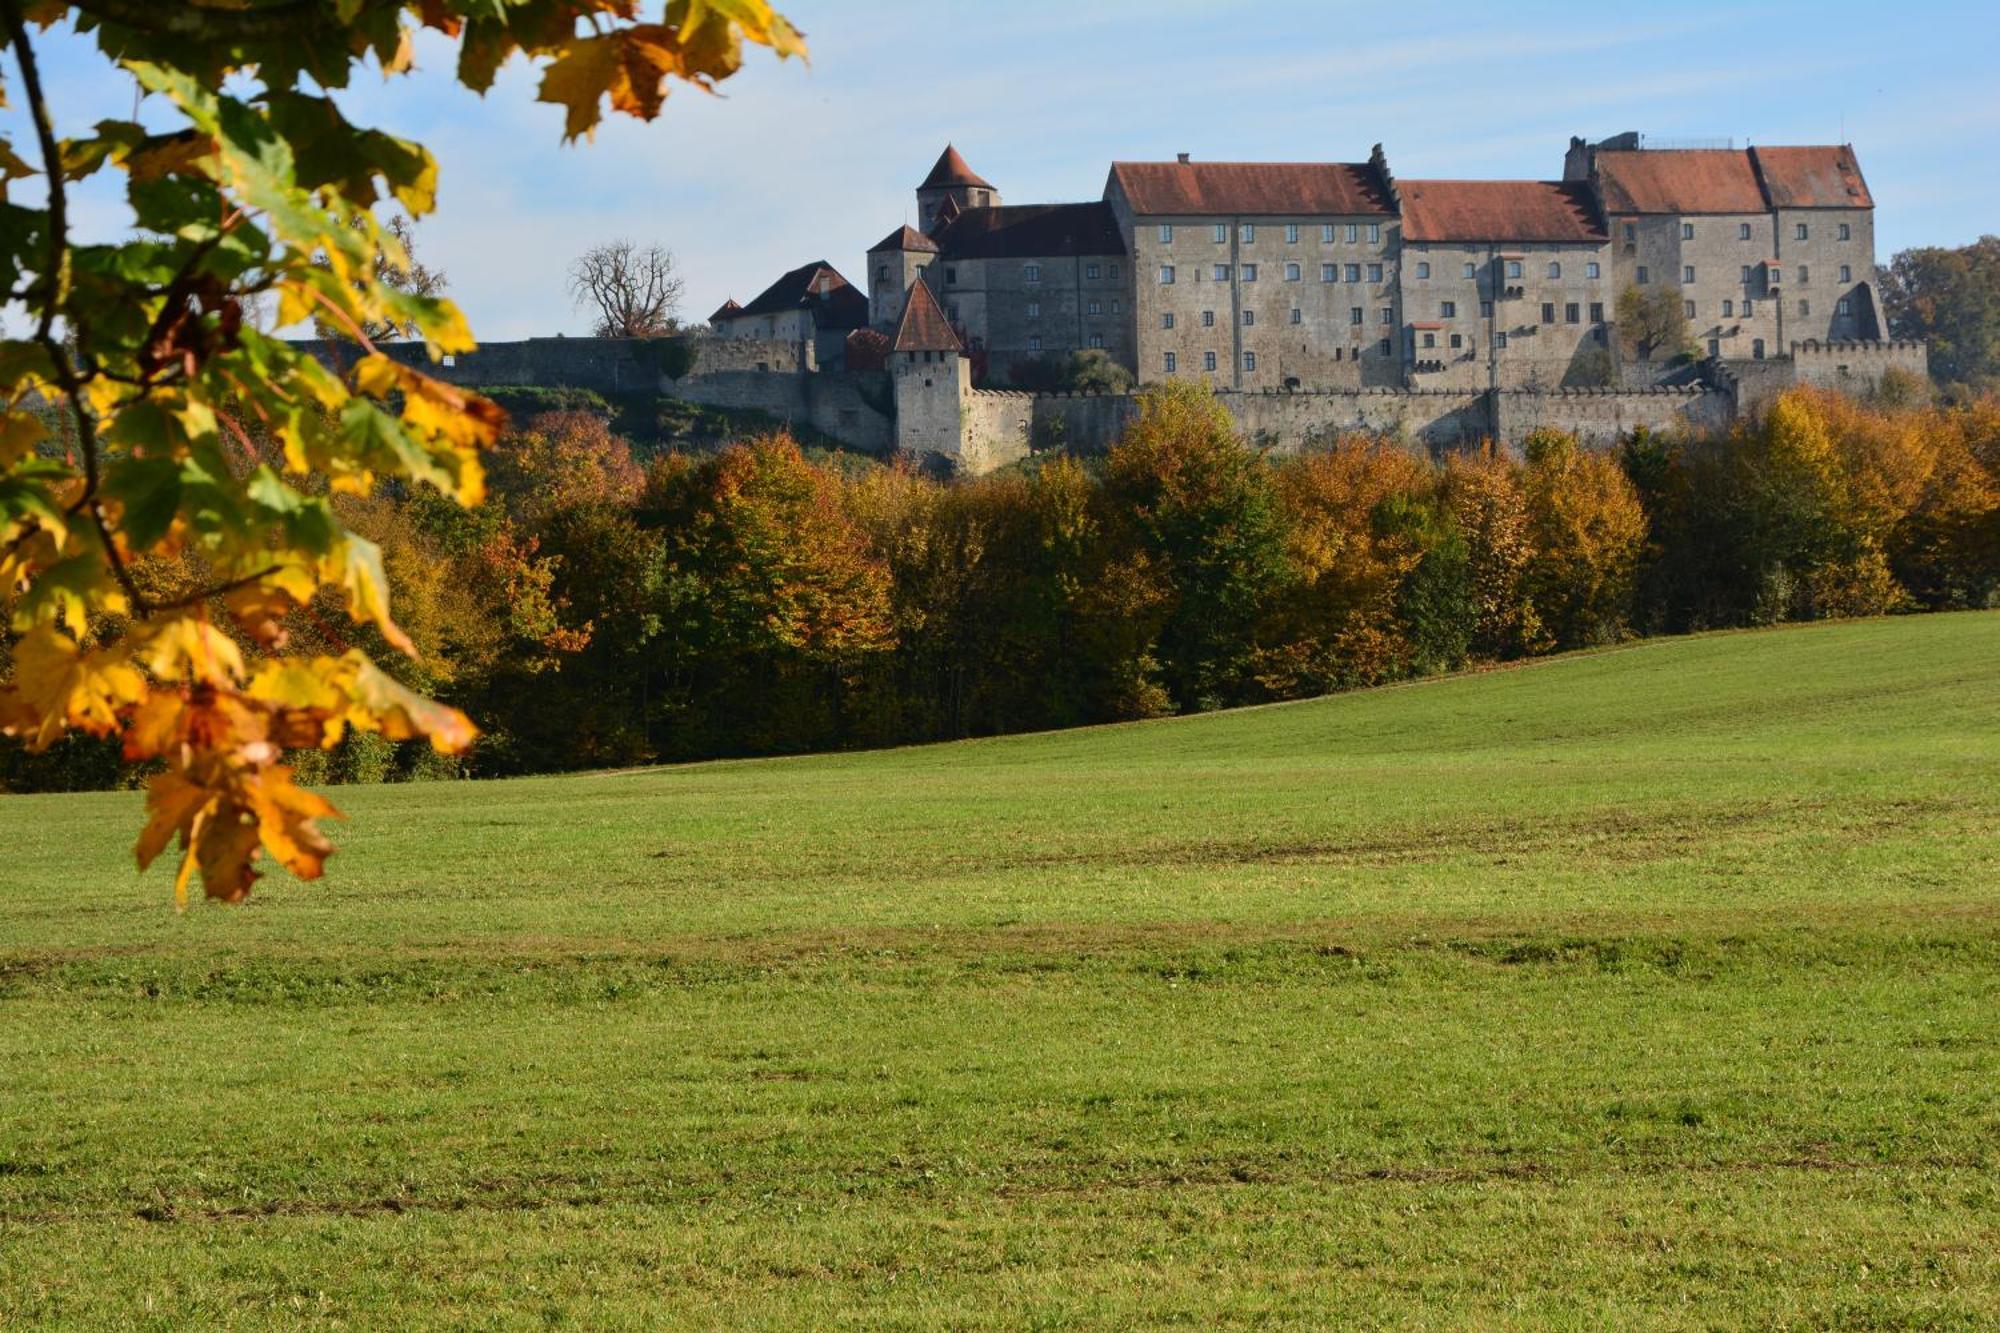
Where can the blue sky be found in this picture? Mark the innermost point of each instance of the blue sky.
(798, 163)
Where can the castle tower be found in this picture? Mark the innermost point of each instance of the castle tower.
(930, 378)
(894, 263)
(952, 179)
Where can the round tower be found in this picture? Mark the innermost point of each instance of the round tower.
(952, 179)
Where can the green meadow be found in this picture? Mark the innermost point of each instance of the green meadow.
(1657, 986)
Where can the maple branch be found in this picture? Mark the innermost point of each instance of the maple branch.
(214, 590)
(292, 20)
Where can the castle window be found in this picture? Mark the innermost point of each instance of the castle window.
(1548, 312)
(1249, 360)
(1249, 273)
(1631, 232)
(1687, 231)
(1327, 272)
(1728, 308)
(1031, 272)
(1114, 272)
(1166, 233)
(1034, 310)
(1169, 363)
(1805, 307)
(1843, 306)
(1470, 271)
(1354, 314)
(1486, 310)
(1326, 234)
(882, 274)
(1291, 273)
(1457, 341)
(1805, 275)
(1374, 233)
(1644, 276)
(1167, 320)
(1747, 307)
(1249, 231)
(1500, 340)
(1091, 271)
(1687, 308)
(1447, 310)
(1555, 269)
(1249, 318)
(1116, 307)
(1221, 233)
(1383, 347)
(1353, 232)
(1757, 348)
(1430, 340)
(1221, 273)
(1800, 232)
(1208, 361)
(1742, 231)
(1097, 340)
(1298, 316)
(1374, 273)
(1846, 232)
(1746, 273)
(1097, 307)
(1572, 313)
(1687, 273)
(951, 275)
(1514, 268)
(1352, 273)
(1591, 270)
(1034, 342)
(1166, 275)
(1208, 319)
(1423, 269)
(1846, 273)
(1291, 233)
(1388, 315)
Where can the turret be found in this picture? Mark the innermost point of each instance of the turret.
(894, 263)
(952, 179)
(929, 377)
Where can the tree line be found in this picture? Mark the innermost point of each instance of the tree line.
(604, 610)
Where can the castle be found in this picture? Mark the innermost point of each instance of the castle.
(1650, 286)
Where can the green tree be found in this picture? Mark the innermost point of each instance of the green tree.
(1651, 323)
(1951, 299)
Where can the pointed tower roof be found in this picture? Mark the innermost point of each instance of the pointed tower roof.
(905, 237)
(725, 310)
(924, 327)
(951, 169)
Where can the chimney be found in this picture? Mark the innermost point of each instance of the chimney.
(1182, 158)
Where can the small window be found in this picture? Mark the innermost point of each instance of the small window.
(1170, 365)
(1327, 272)
(1096, 307)
(1742, 231)
(1728, 307)
(1354, 314)
(1846, 232)
(1513, 268)
(1221, 233)
(1757, 348)
(1644, 277)
(1167, 320)
(1687, 273)
(1298, 316)
(1166, 238)
(1423, 269)
(1031, 273)
(1714, 347)
(951, 275)
(1597, 312)
(1486, 310)
(1249, 273)
(1631, 232)
(1592, 270)
(1166, 275)
(1457, 341)
(1097, 340)
(1572, 313)
(1430, 340)
(1746, 273)
(1805, 307)
(882, 273)
(1805, 275)
(1470, 271)
(1500, 340)
(1249, 318)
(1548, 312)
(1846, 273)
(1291, 233)
(1388, 315)
(1249, 231)
(1555, 269)
(1353, 232)
(1208, 319)
(1249, 360)
(1800, 232)
(1034, 342)
(1221, 273)
(1687, 231)
(1352, 273)
(1687, 309)
(1208, 361)
(1326, 234)
(1291, 273)
(1747, 307)
(1114, 271)
(1374, 273)
(1374, 233)
(1448, 310)
(1117, 307)
(1091, 272)
(1034, 310)
(1383, 347)
(1843, 306)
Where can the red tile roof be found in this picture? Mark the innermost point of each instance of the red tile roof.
(951, 169)
(924, 327)
(1236, 188)
(725, 310)
(1499, 211)
(866, 350)
(905, 237)
(1680, 180)
(1812, 177)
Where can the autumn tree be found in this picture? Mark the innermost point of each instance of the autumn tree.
(1950, 298)
(629, 291)
(1652, 322)
(185, 438)
(1586, 533)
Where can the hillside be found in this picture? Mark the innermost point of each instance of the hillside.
(1653, 985)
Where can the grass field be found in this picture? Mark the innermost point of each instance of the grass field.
(1658, 986)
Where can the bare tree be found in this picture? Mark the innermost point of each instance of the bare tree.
(633, 292)
(415, 279)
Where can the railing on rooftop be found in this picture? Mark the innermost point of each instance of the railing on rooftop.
(1648, 141)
